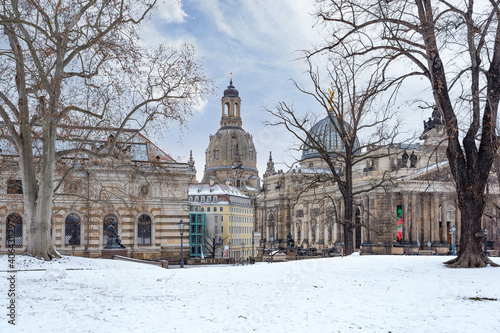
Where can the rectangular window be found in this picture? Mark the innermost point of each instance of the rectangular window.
(221, 209)
(209, 199)
(215, 209)
(208, 209)
(215, 198)
(14, 186)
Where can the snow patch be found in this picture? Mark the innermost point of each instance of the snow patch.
(55, 272)
(368, 294)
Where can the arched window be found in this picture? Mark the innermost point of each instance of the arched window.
(144, 230)
(237, 109)
(72, 230)
(14, 230)
(106, 222)
(238, 184)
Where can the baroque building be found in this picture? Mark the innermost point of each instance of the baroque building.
(144, 191)
(231, 156)
(417, 212)
(229, 219)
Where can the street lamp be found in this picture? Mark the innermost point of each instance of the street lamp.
(486, 253)
(181, 231)
(453, 250)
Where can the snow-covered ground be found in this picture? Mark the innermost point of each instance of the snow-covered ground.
(350, 294)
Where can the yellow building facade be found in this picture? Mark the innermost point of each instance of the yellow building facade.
(230, 217)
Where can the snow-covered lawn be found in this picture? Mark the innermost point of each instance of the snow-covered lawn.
(350, 294)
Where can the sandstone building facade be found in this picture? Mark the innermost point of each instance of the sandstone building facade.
(417, 212)
(145, 192)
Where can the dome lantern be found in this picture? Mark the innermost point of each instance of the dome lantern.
(231, 102)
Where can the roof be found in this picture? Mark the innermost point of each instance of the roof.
(131, 142)
(231, 91)
(325, 133)
(215, 189)
(317, 170)
(425, 170)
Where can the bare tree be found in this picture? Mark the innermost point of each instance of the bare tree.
(70, 67)
(212, 243)
(349, 106)
(456, 46)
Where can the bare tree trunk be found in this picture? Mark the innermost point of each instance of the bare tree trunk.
(40, 245)
(348, 229)
(348, 212)
(472, 236)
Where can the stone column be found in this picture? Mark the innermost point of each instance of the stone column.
(444, 219)
(418, 218)
(435, 220)
(303, 230)
(427, 206)
(293, 227)
(392, 237)
(366, 220)
(406, 218)
(335, 232)
(414, 218)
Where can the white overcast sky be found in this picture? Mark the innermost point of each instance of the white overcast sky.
(259, 42)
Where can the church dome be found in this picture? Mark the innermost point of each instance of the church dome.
(231, 155)
(231, 91)
(324, 131)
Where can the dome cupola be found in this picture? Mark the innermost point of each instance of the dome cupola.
(231, 155)
(231, 91)
(231, 106)
(324, 131)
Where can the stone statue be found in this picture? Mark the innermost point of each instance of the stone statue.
(404, 159)
(428, 125)
(436, 117)
(289, 241)
(413, 160)
(113, 237)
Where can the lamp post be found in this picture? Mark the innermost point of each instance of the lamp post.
(181, 231)
(453, 250)
(73, 248)
(486, 253)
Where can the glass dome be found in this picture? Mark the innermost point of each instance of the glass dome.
(324, 131)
